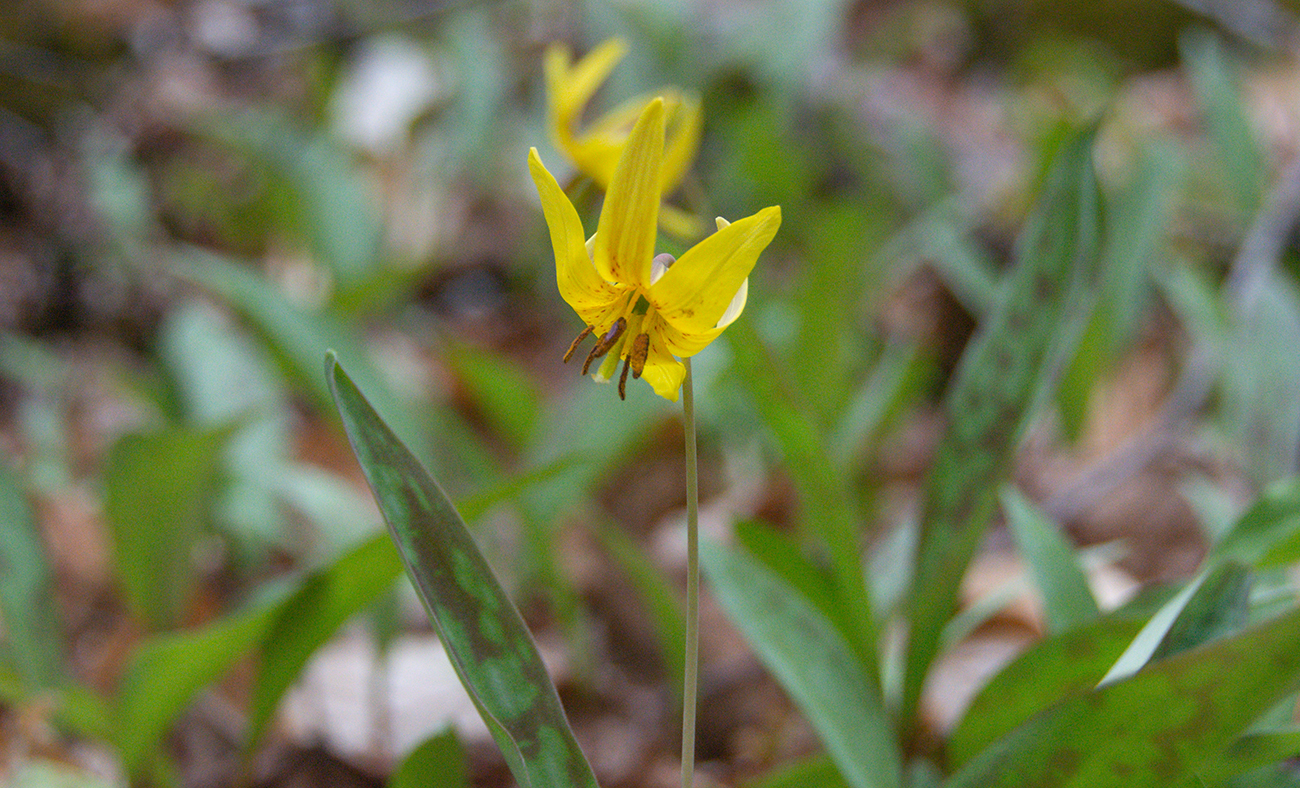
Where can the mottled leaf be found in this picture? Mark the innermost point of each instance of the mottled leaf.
(489, 646)
(1052, 669)
(1002, 372)
(1152, 729)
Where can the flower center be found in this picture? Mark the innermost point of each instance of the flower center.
(613, 344)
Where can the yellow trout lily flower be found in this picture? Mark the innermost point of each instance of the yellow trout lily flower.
(595, 150)
(647, 310)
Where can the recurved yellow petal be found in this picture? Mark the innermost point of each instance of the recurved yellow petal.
(582, 288)
(698, 289)
(683, 141)
(570, 86)
(625, 236)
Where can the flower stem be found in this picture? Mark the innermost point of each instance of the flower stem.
(691, 678)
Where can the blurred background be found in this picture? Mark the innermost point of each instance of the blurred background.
(199, 197)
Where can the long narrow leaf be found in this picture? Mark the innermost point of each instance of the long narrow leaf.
(311, 616)
(811, 659)
(1154, 728)
(1047, 672)
(489, 646)
(26, 605)
(990, 399)
(1067, 599)
(167, 670)
(156, 487)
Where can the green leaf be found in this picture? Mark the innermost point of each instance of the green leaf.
(1252, 751)
(1220, 606)
(156, 487)
(299, 338)
(895, 375)
(438, 762)
(1002, 373)
(76, 708)
(1268, 534)
(809, 656)
(310, 617)
(783, 556)
(1139, 217)
(489, 646)
(32, 638)
(1067, 600)
(1151, 729)
(828, 511)
(1051, 669)
(501, 391)
(816, 771)
(1219, 93)
(167, 670)
(941, 239)
(1261, 382)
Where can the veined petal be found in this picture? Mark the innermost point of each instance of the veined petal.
(581, 287)
(696, 292)
(625, 236)
(663, 372)
(680, 343)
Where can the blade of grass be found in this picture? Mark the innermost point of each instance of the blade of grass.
(490, 648)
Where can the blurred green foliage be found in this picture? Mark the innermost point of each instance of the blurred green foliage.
(193, 210)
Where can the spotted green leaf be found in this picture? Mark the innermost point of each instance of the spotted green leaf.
(989, 402)
(1156, 728)
(490, 648)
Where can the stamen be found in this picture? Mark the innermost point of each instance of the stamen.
(605, 343)
(640, 352)
(622, 379)
(568, 354)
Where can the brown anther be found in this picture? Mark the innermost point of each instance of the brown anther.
(568, 354)
(605, 343)
(622, 379)
(640, 352)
